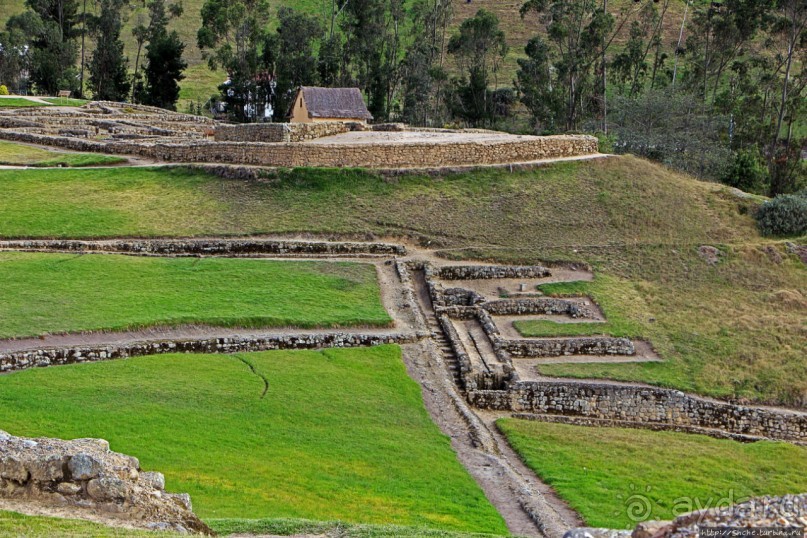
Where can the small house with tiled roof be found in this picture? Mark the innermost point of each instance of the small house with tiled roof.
(313, 104)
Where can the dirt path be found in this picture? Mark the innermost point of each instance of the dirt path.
(529, 507)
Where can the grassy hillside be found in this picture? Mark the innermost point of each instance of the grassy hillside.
(637, 223)
(201, 82)
(340, 434)
(51, 293)
(625, 476)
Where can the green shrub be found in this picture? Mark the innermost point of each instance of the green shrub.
(784, 215)
(3, 89)
(747, 172)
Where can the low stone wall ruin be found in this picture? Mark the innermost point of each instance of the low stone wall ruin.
(84, 475)
(486, 272)
(539, 305)
(22, 360)
(557, 347)
(385, 156)
(650, 406)
(207, 247)
(279, 132)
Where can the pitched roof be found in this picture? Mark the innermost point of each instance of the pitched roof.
(335, 103)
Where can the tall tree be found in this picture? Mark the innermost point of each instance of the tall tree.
(423, 74)
(55, 51)
(372, 49)
(580, 32)
(539, 90)
(109, 79)
(721, 31)
(164, 70)
(149, 28)
(293, 55)
(478, 48)
(234, 36)
(790, 27)
(15, 50)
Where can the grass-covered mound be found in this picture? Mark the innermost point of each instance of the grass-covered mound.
(616, 477)
(50, 293)
(25, 155)
(637, 223)
(339, 435)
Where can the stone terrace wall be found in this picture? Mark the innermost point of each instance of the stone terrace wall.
(279, 132)
(22, 360)
(484, 272)
(642, 406)
(557, 347)
(207, 247)
(403, 155)
(540, 305)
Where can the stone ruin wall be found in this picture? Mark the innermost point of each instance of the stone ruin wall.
(39, 358)
(582, 402)
(207, 247)
(84, 475)
(649, 406)
(394, 155)
(279, 132)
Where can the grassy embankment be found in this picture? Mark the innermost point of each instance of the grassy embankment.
(615, 477)
(53, 293)
(339, 435)
(24, 155)
(637, 223)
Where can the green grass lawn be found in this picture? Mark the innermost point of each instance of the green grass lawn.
(22, 154)
(18, 102)
(614, 297)
(66, 101)
(616, 477)
(14, 524)
(340, 434)
(638, 224)
(50, 293)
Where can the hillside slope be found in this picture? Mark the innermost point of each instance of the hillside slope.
(201, 82)
(731, 329)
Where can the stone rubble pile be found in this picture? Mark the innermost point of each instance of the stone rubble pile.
(85, 476)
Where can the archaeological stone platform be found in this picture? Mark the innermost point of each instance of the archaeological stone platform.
(163, 136)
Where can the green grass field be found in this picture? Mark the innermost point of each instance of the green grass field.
(637, 223)
(22, 154)
(616, 477)
(52, 293)
(340, 434)
(66, 101)
(18, 102)
(614, 297)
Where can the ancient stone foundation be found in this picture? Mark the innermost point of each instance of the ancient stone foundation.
(279, 132)
(22, 360)
(385, 156)
(85, 476)
(642, 405)
(207, 247)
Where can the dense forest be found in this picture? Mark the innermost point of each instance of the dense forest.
(715, 89)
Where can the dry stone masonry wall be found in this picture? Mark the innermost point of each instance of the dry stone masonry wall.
(208, 247)
(556, 347)
(642, 405)
(590, 403)
(279, 132)
(84, 475)
(22, 360)
(181, 149)
(540, 305)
